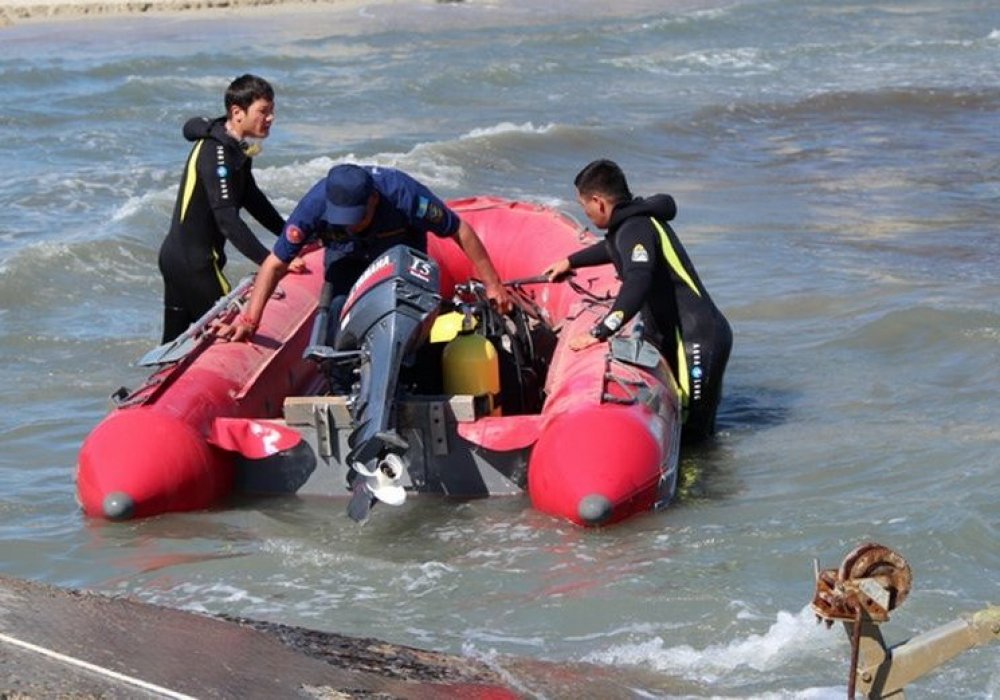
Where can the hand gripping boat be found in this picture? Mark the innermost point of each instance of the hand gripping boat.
(443, 395)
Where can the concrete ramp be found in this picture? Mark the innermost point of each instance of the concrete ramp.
(56, 643)
(72, 644)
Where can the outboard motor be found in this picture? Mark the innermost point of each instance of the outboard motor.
(388, 315)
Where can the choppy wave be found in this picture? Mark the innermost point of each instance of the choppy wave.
(447, 166)
(845, 107)
(793, 639)
(885, 101)
(924, 330)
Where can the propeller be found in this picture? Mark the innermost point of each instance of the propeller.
(383, 482)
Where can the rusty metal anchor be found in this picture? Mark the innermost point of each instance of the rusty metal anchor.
(872, 581)
(872, 578)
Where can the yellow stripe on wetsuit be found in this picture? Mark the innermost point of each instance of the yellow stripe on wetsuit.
(671, 255)
(683, 376)
(223, 282)
(190, 178)
(190, 181)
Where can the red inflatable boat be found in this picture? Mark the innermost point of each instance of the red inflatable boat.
(592, 436)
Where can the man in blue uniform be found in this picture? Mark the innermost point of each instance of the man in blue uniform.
(217, 182)
(359, 212)
(659, 280)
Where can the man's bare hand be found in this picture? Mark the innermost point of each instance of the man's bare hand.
(238, 330)
(558, 270)
(582, 341)
(499, 295)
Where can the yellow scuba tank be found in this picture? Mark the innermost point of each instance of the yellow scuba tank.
(470, 365)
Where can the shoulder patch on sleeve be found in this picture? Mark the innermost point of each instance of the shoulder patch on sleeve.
(294, 234)
(639, 253)
(429, 211)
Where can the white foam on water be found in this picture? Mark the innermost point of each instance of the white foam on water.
(426, 578)
(203, 597)
(185, 83)
(140, 204)
(792, 637)
(508, 128)
(422, 162)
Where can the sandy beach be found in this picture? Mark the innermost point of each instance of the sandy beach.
(24, 11)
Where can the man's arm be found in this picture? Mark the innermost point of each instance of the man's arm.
(236, 231)
(218, 186)
(264, 284)
(261, 208)
(637, 248)
(470, 243)
(596, 254)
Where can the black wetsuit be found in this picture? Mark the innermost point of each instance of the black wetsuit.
(217, 182)
(659, 280)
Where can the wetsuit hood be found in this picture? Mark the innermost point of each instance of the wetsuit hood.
(199, 128)
(661, 206)
(202, 127)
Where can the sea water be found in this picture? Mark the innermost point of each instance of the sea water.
(837, 172)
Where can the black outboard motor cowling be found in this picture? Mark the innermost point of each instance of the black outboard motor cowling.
(387, 316)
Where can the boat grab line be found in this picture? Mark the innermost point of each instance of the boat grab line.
(94, 668)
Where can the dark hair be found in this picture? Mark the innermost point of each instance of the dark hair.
(246, 90)
(605, 178)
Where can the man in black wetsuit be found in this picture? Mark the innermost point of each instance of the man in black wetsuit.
(659, 280)
(217, 182)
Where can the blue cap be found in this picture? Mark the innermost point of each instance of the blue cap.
(348, 188)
